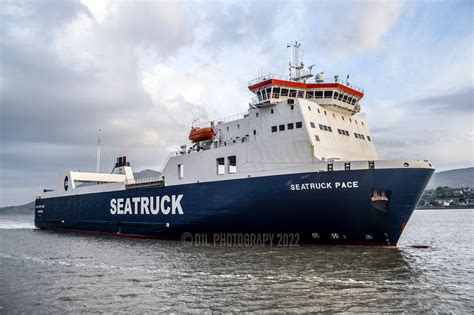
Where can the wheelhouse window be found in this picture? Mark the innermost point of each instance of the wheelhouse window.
(180, 171)
(232, 162)
(310, 94)
(220, 167)
(292, 93)
(336, 95)
(284, 92)
(328, 94)
(276, 92)
(300, 94)
(318, 94)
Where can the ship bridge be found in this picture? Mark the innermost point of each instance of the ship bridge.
(336, 94)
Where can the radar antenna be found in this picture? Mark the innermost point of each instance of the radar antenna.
(299, 74)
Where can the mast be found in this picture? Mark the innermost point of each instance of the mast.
(97, 165)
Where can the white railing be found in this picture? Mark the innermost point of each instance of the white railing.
(286, 78)
(143, 180)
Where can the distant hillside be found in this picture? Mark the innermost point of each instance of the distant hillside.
(146, 173)
(462, 177)
(28, 208)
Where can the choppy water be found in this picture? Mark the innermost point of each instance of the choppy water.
(44, 272)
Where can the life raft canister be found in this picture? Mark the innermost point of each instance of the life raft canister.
(201, 134)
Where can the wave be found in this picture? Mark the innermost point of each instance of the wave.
(13, 225)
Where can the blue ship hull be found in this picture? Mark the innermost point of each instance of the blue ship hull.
(292, 203)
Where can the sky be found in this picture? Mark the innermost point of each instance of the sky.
(142, 71)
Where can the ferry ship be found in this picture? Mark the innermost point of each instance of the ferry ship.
(300, 160)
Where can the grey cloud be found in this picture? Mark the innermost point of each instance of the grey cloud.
(460, 101)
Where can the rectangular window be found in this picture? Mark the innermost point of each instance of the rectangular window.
(327, 94)
(368, 138)
(290, 126)
(312, 124)
(281, 127)
(325, 127)
(274, 128)
(220, 167)
(180, 171)
(299, 124)
(318, 94)
(316, 137)
(339, 131)
(292, 93)
(291, 101)
(300, 94)
(284, 92)
(232, 162)
(321, 127)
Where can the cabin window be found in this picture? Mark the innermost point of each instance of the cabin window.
(292, 93)
(333, 115)
(227, 128)
(254, 132)
(316, 137)
(299, 124)
(309, 108)
(312, 124)
(256, 114)
(292, 107)
(329, 129)
(274, 128)
(271, 111)
(318, 94)
(327, 94)
(368, 138)
(319, 112)
(232, 162)
(180, 171)
(309, 94)
(355, 121)
(290, 126)
(300, 94)
(238, 126)
(362, 123)
(321, 127)
(220, 167)
(281, 127)
(325, 113)
(342, 117)
(350, 120)
(284, 92)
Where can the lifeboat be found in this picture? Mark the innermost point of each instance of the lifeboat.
(201, 134)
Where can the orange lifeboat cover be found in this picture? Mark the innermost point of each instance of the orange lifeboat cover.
(201, 134)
